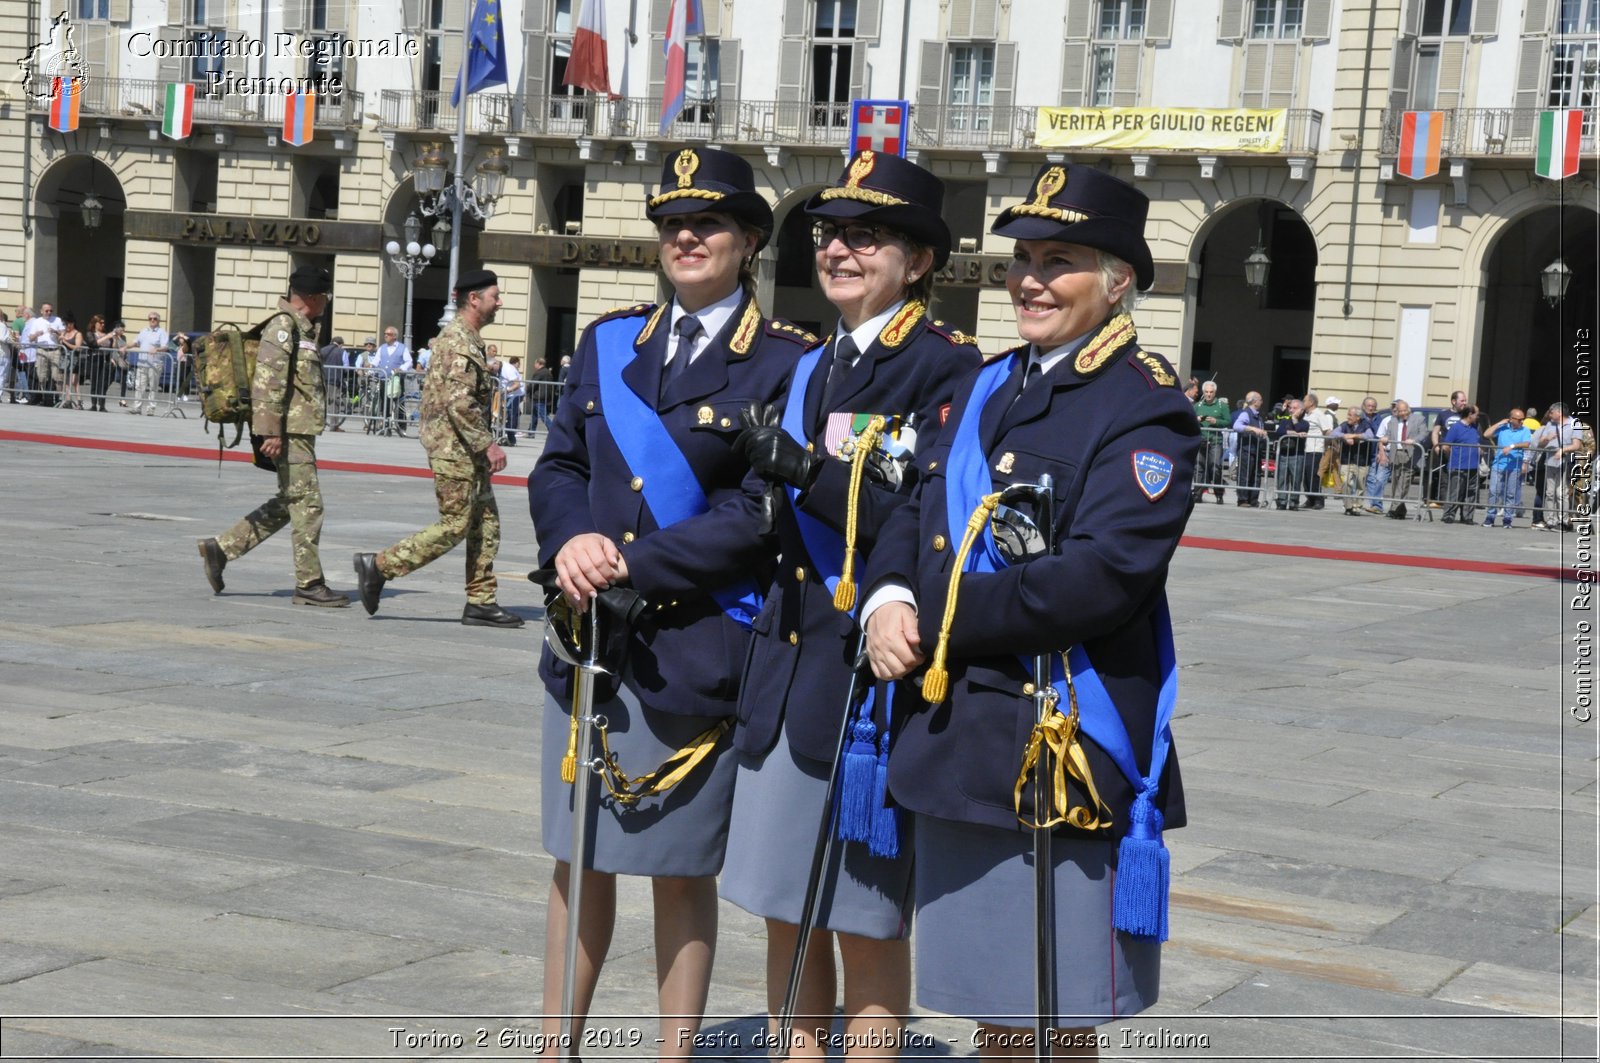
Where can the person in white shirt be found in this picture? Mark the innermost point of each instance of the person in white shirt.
(151, 343)
(1321, 424)
(393, 356)
(511, 377)
(1563, 437)
(41, 337)
(7, 353)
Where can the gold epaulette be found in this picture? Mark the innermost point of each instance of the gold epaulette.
(624, 311)
(1157, 367)
(792, 333)
(900, 326)
(955, 336)
(1105, 344)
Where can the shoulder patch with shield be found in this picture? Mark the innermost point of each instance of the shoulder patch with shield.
(1152, 472)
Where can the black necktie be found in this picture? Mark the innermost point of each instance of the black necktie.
(844, 357)
(688, 329)
(1034, 371)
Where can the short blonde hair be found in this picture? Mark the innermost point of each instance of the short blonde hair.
(1112, 271)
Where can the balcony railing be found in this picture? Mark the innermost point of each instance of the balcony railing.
(1489, 131)
(138, 98)
(775, 122)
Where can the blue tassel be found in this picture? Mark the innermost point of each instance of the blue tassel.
(855, 792)
(1144, 874)
(885, 839)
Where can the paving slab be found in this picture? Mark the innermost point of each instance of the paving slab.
(1392, 820)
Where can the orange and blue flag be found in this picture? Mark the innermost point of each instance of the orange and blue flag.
(684, 20)
(299, 117)
(1421, 134)
(65, 94)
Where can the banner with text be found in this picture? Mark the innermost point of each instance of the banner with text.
(1200, 129)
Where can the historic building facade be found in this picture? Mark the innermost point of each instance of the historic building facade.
(1376, 283)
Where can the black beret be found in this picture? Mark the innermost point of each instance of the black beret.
(473, 279)
(311, 280)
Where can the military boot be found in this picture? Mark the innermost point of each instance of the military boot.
(320, 594)
(490, 615)
(369, 582)
(215, 560)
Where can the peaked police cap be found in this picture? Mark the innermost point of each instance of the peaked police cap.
(700, 179)
(886, 190)
(1082, 205)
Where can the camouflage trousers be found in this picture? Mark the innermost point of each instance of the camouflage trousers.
(467, 511)
(298, 502)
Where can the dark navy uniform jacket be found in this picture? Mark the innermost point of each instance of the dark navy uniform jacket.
(1082, 423)
(686, 654)
(799, 666)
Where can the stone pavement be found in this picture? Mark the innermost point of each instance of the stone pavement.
(233, 828)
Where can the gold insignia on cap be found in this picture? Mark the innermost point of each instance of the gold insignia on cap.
(1099, 350)
(1007, 462)
(851, 189)
(1051, 181)
(703, 415)
(685, 166)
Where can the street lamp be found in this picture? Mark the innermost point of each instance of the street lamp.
(1256, 267)
(410, 260)
(1553, 281)
(93, 209)
(443, 193)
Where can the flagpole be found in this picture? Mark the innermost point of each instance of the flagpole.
(458, 187)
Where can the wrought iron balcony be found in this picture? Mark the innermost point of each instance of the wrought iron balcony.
(1488, 131)
(138, 98)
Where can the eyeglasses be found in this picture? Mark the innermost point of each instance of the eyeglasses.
(855, 237)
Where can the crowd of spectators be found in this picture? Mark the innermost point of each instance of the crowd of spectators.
(1370, 459)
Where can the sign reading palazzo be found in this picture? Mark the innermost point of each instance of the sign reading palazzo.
(1199, 129)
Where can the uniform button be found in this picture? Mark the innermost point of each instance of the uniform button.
(811, 446)
(589, 405)
(938, 542)
(799, 575)
(627, 537)
(794, 638)
(932, 465)
(637, 483)
(727, 423)
(1028, 688)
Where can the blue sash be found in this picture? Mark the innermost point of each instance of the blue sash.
(672, 491)
(863, 812)
(1140, 903)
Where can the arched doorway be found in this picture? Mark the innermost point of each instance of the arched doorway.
(78, 263)
(1250, 339)
(796, 294)
(1525, 354)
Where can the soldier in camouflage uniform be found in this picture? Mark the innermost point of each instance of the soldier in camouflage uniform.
(456, 398)
(287, 416)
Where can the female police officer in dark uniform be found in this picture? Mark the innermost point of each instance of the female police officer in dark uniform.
(879, 238)
(648, 420)
(1103, 418)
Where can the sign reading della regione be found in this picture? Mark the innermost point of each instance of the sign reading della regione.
(1162, 128)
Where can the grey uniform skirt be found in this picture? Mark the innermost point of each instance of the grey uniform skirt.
(975, 936)
(777, 803)
(679, 834)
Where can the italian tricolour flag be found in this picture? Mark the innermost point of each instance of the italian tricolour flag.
(1560, 134)
(177, 121)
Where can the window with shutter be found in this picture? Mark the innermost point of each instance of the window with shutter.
(1530, 84)
(1231, 20)
(549, 96)
(1276, 18)
(1074, 63)
(985, 19)
(118, 10)
(1405, 52)
(658, 17)
(960, 26)
(96, 48)
(1114, 79)
(835, 66)
(1486, 18)
(1078, 19)
(926, 115)
(729, 63)
(1158, 23)
(791, 85)
(1575, 61)
(1535, 16)
(338, 17)
(797, 17)
(1445, 18)
(1319, 19)
(1005, 81)
(1452, 75)
(869, 18)
(1282, 74)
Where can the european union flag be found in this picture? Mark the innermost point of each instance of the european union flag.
(486, 61)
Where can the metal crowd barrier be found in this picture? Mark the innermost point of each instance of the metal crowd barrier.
(379, 401)
(80, 378)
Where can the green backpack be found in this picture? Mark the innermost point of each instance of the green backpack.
(224, 366)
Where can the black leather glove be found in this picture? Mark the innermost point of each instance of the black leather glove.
(772, 452)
